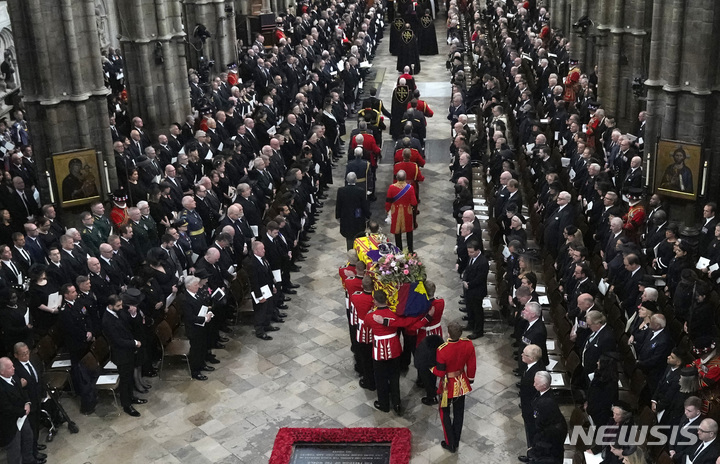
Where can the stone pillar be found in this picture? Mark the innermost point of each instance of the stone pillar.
(218, 16)
(156, 71)
(579, 8)
(58, 51)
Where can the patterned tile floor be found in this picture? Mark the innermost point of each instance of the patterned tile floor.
(305, 377)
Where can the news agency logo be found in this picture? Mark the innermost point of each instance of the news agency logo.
(633, 435)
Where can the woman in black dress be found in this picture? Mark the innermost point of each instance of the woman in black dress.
(5, 227)
(13, 325)
(44, 317)
(463, 199)
(603, 390)
(156, 270)
(137, 192)
(159, 210)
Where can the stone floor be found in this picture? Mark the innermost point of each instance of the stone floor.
(305, 376)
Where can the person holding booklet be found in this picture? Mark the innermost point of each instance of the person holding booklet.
(196, 316)
(263, 291)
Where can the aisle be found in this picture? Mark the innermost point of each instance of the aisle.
(305, 377)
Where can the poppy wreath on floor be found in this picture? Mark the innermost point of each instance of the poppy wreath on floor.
(399, 439)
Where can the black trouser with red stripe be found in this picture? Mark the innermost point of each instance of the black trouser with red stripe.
(387, 381)
(452, 426)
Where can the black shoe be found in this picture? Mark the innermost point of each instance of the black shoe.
(447, 447)
(72, 427)
(300, 258)
(141, 390)
(227, 330)
(461, 302)
(129, 410)
(40, 461)
(282, 315)
(263, 336)
(278, 320)
(466, 318)
(272, 328)
(219, 346)
(199, 377)
(365, 385)
(292, 285)
(88, 412)
(295, 268)
(287, 298)
(41, 447)
(282, 306)
(380, 408)
(523, 459)
(137, 400)
(290, 291)
(303, 249)
(398, 410)
(223, 339)
(462, 310)
(475, 335)
(212, 360)
(517, 384)
(429, 401)
(207, 368)
(40, 456)
(515, 344)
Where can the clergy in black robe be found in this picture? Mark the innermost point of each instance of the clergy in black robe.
(427, 40)
(396, 27)
(400, 98)
(408, 51)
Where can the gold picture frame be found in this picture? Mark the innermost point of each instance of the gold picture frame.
(677, 169)
(77, 177)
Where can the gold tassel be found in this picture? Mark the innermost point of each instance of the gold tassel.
(444, 400)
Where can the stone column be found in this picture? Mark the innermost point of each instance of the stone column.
(218, 16)
(156, 71)
(579, 44)
(655, 81)
(59, 52)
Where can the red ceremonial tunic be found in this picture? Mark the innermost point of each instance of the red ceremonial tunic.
(119, 216)
(361, 305)
(424, 109)
(370, 145)
(634, 220)
(456, 367)
(415, 157)
(434, 327)
(412, 171)
(400, 207)
(386, 343)
(346, 272)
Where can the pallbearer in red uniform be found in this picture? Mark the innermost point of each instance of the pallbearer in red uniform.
(354, 285)
(456, 369)
(401, 202)
(361, 303)
(433, 327)
(387, 349)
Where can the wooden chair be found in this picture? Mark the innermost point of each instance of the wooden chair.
(170, 346)
(105, 381)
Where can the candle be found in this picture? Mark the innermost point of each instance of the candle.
(107, 177)
(705, 168)
(50, 187)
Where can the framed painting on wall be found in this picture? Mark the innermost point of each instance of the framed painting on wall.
(677, 169)
(77, 177)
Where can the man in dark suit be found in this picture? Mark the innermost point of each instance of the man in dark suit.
(556, 223)
(122, 349)
(654, 350)
(532, 358)
(535, 333)
(33, 245)
(669, 386)
(706, 450)
(14, 405)
(351, 209)
(11, 270)
(550, 426)
(601, 340)
(196, 316)
(629, 291)
(707, 230)
(475, 284)
(466, 235)
(261, 278)
(30, 375)
(72, 264)
(688, 423)
(21, 204)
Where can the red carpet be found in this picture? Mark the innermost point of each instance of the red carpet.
(399, 438)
